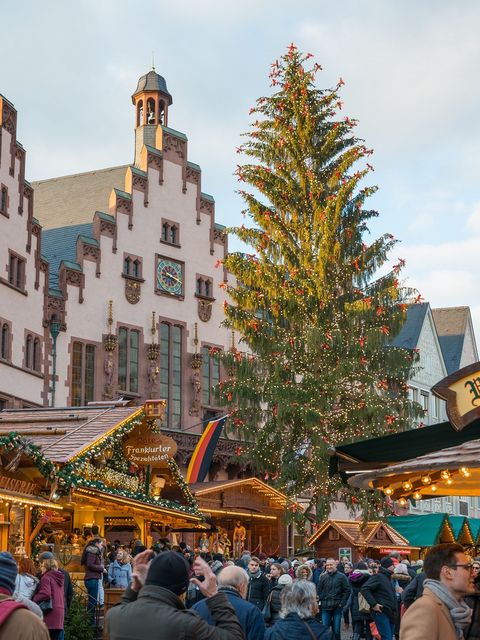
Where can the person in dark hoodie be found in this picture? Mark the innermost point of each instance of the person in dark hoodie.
(360, 621)
(380, 594)
(92, 560)
(258, 584)
(298, 615)
(50, 592)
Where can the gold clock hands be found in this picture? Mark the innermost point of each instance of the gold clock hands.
(170, 275)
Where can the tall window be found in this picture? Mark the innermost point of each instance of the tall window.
(132, 266)
(29, 351)
(5, 342)
(170, 232)
(83, 373)
(128, 351)
(171, 373)
(210, 375)
(16, 271)
(36, 354)
(4, 200)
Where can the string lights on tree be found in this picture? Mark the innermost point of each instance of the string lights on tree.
(318, 324)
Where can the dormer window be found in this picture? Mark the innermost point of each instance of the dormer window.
(170, 233)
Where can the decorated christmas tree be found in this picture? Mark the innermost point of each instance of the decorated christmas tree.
(315, 365)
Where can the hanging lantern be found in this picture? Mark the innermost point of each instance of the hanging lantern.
(417, 495)
(388, 491)
(426, 479)
(407, 485)
(433, 488)
(445, 474)
(402, 502)
(465, 472)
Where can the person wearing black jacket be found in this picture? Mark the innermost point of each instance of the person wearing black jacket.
(414, 590)
(258, 584)
(380, 594)
(333, 591)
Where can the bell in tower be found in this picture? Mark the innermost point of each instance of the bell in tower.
(151, 99)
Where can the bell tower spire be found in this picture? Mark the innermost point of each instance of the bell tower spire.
(151, 100)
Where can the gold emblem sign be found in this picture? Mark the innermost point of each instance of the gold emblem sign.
(461, 390)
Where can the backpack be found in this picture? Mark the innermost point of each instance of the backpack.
(7, 607)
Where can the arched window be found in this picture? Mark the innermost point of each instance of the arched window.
(139, 113)
(136, 269)
(207, 288)
(150, 111)
(126, 266)
(173, 235)
(199, 286)
(36, 355)
(4, 200)
(161, 112)
(165, 229)
(29, 352)
(5, 342)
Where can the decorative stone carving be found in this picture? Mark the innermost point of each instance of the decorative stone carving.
(171, 143)
(186, 442)
(110, 342)
(90, 251)
(197, 390)
(140, 182)
(207, 206)
(219, 235)
(193, 175)
(132, 291)
(204, 310)
(73, 277)
(109, 368)
(107, 228)
(9, 119)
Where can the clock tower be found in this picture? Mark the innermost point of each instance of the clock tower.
(151, 100)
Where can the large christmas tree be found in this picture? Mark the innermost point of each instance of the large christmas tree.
(315, 366)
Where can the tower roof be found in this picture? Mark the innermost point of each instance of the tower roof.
(152, 81)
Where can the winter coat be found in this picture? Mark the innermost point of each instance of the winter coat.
(25, 585)
(249, 616)
(378, 589)
(258, 589)
(94, 566)
(67, 589)
(413, 590)
(292, 627)
(357, 579)
(429, 619)
(275, 603)
(119, 575)
(333, 590)
(401, 580)
(22, 624)
(158, 613)
(51, 588)
(473, 631)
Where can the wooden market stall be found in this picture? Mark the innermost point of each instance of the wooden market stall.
(424, 531)
(461, 530)
(356, 541)
(104, 464)
(249, 504)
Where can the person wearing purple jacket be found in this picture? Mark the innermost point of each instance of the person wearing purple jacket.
(50, 590)
(92, 559)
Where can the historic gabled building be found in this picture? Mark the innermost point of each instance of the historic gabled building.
(24, 337)
(457, 339)
(136, 282)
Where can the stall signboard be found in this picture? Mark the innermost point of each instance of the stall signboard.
(461, 390)
(345, 552)
(155, 409)
(149, 449)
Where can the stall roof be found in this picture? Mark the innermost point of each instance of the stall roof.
(458, 524)
(204, 488)
(381, 452)
(363, 536)
(66, 432)
(422, 531)
(474, 527)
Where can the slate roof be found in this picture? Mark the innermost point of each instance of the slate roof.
(83, 426)
(352, 531)
(410, 332)
(451, 324)
(61, 244)
(152, 81)
(422, 531)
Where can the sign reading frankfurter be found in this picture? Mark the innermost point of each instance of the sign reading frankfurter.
(461, 390)
(149, 449)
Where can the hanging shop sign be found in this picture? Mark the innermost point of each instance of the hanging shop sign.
(461, 391)
(149, 449)
(155, 409)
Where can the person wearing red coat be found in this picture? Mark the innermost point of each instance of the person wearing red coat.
(51, 589)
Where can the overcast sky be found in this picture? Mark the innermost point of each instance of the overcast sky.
(411, 72)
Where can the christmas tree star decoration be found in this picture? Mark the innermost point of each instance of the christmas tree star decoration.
(316, 366)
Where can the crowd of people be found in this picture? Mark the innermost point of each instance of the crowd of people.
(176, 592)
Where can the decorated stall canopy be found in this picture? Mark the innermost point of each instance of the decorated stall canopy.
(424, 530)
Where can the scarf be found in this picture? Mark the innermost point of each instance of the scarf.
(460, 612)
(255, 575)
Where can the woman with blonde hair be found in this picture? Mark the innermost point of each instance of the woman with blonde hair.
(50, 597)
(120, 570)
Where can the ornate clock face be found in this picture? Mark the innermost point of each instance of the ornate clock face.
(169, 277)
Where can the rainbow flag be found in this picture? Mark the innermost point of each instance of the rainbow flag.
(202, 456)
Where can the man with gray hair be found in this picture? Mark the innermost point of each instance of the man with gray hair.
(233, 582)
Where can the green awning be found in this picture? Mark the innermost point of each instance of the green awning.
(474, 528)
(377, 453)
(460, 525)
(425, 530)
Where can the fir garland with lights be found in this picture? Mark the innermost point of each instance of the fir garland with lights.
(317, 323)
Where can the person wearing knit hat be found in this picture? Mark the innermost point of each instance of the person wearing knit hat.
(153, 606)
(285, 579)
(16, 621)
